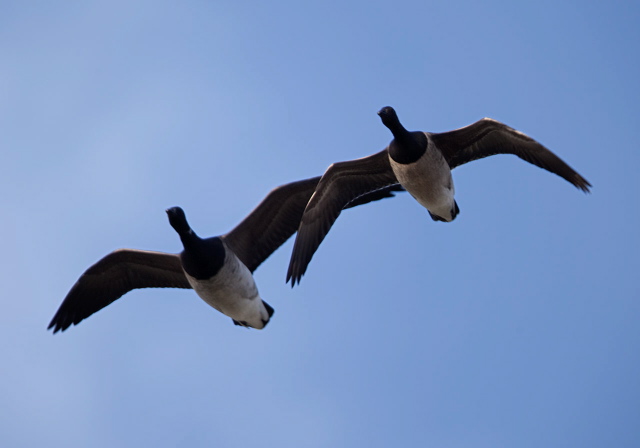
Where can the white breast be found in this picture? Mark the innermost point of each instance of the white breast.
(233, 292)
(428, 180)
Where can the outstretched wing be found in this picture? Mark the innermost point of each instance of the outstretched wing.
(487, 137)
(275, 219)
(113, 276)
(342, 184)
(271, 223)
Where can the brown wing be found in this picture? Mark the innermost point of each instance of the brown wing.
(487, 137)
(275, 219)
(342, 183)
(113, 276)
(271, 223)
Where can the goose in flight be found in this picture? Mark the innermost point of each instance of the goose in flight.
(421, 162)
(219, 268)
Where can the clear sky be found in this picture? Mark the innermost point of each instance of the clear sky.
(517, 325)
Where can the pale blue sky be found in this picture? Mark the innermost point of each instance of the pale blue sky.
(517, 325)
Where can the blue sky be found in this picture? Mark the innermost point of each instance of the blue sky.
(515, 325)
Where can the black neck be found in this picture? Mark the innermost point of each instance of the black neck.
(397, 129)
(201, 259)
(407, 147)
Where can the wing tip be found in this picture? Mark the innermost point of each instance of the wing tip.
(293, 274)
(57, 326)
(62, 321)
(582, 183)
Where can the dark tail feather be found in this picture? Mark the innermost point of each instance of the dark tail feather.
(454, 212)
(270, 310)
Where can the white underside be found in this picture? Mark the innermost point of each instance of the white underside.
(233, 292)
(429, 181)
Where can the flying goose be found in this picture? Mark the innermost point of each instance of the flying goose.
(219, 269)
(421, 162)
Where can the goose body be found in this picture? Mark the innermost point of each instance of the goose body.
(233, 292)
(420, 167)
(218, 276)
(421, 162)
(429, 181)
(219, 269)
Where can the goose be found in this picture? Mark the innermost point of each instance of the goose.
(219, 269)
(421, 162)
